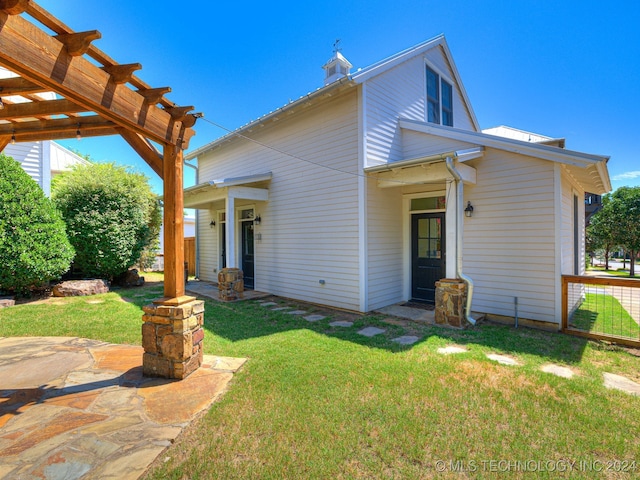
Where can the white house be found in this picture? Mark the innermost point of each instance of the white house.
(355, 195)
(43, 160)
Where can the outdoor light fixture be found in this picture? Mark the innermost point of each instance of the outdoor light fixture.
(13, 138)
(469, 210)
(257, 220)
(212, 224)
(78, 134)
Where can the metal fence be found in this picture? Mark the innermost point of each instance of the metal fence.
(606, 308)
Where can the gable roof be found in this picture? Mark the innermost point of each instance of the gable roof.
(360, 77)
(387, 64)
(591, 169)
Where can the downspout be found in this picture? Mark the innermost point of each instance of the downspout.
(459, 230)
(195, 167)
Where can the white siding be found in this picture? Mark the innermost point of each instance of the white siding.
(309, 225)
(415, 144)
(569, 189)
(29, 155)
(400, 93)
(509, 243)
(385, 246)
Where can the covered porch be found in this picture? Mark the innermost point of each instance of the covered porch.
(229, 212)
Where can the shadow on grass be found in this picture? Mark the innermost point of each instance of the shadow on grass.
(248, 320)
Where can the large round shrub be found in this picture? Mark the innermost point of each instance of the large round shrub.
(34, 247)
(108, 210)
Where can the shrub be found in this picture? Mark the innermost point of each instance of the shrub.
(34, 247)
(108, 211)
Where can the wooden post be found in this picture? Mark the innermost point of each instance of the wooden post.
(173, 223)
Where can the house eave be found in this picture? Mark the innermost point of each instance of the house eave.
(239, 132)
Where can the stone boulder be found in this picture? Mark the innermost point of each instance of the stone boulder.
(130, 278)
(78, 288)
(7, 302)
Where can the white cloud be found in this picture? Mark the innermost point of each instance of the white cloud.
(627, 175)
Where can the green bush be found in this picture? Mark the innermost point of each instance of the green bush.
(34, 247)
(109, 212)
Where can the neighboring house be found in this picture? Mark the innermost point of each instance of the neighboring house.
(189, 236)
(351, 196)
(43, 160)
(592, 203)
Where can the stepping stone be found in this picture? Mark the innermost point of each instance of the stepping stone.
(371, 331)
(406, 340)
(618, 382)
(451, 350)
(268, 304)
(314, 318)
(341, 323)
(502, 359)
(296, 312)
(560, 371)
(279, 309)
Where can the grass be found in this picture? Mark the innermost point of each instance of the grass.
(603, 313)
(620, 272)
(315, 401)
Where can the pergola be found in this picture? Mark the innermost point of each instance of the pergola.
(94, 96)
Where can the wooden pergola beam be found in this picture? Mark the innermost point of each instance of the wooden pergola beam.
(19, 86)
(42, 59)
(145, 149)
(58, 128)
(37, 109)
(78, 43)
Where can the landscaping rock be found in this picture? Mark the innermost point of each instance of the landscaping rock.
(7, 302)
(131, 278)
(78, 288)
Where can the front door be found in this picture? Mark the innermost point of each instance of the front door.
(223, 245)
(247, 254)
(427, 255)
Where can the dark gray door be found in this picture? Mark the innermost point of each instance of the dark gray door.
(247, 254)
(427, 255)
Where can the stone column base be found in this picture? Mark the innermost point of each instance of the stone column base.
(230, 284)
(451, 298)
(172, 339)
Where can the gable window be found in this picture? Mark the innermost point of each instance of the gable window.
(439, 99)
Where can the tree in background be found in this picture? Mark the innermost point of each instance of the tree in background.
(110, 212)
(601, 229)
(625, 215)
(34, 247)
(148, 255)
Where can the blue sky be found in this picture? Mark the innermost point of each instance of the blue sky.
(564, 69)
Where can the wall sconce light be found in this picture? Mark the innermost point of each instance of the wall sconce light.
(212, 224)
(469, 210)
(257, 220)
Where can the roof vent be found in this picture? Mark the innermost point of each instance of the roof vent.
(337, 66)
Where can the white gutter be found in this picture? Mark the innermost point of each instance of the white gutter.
(459, 230)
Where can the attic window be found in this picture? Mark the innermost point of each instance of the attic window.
(439, 99)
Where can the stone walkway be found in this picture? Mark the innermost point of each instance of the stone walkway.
(74, 408)
(610, 380)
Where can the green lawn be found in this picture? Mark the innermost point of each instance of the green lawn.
(602, 313)
(622, 272)
(315, 401)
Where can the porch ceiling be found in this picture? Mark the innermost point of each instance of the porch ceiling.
(424, 170)
(246, 187)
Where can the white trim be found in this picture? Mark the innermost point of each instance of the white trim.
(537, 150)
(363, 224)
(557, 221)
(45, 164)
(406, 250)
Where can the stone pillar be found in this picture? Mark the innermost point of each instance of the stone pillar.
(451, 298)
(172, 339)
(230, 284)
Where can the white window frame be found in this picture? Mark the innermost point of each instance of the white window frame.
(441, 78)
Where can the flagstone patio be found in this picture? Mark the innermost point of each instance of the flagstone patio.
(72, 407)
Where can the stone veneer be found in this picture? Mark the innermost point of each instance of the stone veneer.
(451, 298)
(230, 284)
(172, 339)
